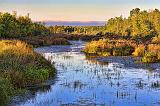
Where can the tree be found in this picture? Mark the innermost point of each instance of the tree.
(134, 12)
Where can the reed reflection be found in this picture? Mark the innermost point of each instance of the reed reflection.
(83, 81)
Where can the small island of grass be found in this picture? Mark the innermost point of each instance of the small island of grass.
(106, 47)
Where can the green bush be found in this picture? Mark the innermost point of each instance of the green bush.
(33, 75)
(44, 64)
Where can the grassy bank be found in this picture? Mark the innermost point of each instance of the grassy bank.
(20, 67)
(37, 41)
(105, 47)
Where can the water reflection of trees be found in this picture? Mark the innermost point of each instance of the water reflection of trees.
(93, 61)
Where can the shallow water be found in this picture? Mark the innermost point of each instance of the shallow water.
(82, 81)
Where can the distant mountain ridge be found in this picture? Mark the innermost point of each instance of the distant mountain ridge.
(74, 23)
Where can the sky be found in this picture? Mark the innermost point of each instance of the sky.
(75, 10)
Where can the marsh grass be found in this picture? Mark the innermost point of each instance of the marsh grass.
(21, 67)
(37, 41)
(6, 91)
(152, 54)
(105, 47)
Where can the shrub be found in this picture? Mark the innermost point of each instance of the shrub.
(45, 40)
(33, 75)
(156, 40)
(104, 53)
(149, 58)
(128, 50)
(139, 51)
(154, 48)
(93, 47)
(124, 50)
(117, 52)
(158, 56)
(105, 47)
(60, 41)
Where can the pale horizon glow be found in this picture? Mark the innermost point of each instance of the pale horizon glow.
(72, 10)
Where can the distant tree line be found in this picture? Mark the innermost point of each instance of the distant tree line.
(85, 30)
(140, 25)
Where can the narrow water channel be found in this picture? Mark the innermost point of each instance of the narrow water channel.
(82, 81)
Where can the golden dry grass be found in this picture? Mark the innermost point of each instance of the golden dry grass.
(21, 64)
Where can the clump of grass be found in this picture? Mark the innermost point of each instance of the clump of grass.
(34, 75)
(105, 47)
(152, 54)
(21, 66)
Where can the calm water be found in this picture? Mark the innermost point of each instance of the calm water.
(87, 82)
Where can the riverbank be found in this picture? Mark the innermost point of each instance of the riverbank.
(20, 67)
(38, 41)
(127, 61)
(150, 53)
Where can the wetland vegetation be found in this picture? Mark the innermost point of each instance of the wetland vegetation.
(23, 65)
(20, 67)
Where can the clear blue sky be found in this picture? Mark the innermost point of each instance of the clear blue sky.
(75, 10)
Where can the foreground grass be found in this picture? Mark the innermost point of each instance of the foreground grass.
(20, 67)
(105, 47)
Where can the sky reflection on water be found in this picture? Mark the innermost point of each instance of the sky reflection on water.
(86, 82)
